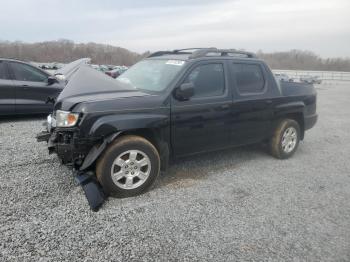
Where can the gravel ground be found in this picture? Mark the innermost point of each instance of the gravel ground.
(238, 204)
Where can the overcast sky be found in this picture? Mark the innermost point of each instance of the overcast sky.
(322, 26)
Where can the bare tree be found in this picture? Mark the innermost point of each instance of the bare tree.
(304, 60)
(66, 51)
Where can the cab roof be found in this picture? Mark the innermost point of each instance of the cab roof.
(194, 53)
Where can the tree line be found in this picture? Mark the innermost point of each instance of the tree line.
(65, 51)
(304, 60)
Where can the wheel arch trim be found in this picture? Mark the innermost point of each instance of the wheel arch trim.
(96, 151)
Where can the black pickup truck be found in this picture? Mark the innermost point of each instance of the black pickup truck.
(174, 103)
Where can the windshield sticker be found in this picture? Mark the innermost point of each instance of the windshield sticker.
(175, 62)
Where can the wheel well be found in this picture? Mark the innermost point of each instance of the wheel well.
(153, 136)
(299, 117)
(145, 133)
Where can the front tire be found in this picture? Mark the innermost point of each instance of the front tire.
(285, 139)
(128, 167)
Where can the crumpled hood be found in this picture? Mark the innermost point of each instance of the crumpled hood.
(90, 85)
(68, 70)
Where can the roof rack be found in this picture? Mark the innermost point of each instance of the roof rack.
(221, 52)
(201, 52)
(11, 58)
(176, 51)
(188, 49)
(160, 53)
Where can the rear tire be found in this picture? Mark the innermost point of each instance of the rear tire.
(128, 167)
(285, 139)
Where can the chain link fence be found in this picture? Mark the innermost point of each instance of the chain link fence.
(323, 75)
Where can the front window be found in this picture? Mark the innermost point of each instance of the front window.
(208, 80)
(151, 75)
(25, 72)
(3, 73)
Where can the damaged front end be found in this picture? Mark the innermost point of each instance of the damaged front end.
(78, 153)
(80, 127)
(66, 142)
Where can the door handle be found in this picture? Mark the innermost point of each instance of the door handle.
(268, 102)
(25, 86)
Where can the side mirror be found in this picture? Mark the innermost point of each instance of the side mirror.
(51, 80)
(184, 92)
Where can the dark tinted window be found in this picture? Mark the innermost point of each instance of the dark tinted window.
(3, 74)
(25, 72)
(249, 78)
(208, 80)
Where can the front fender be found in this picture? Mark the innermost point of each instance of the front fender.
(109, 127)
(96, 150)
(110, 124)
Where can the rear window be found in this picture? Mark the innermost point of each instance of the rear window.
(249, 78)
(3, 74)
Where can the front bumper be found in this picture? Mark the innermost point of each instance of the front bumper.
(72, 150)
(63, 145)
(43, 136)
(67, 144)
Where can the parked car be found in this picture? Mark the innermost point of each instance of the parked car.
(116, 72)
(49, 66)
(25, 89)
(123, 132)
(96, 67)
(283, 77)
(310, 79)
(122, 69)
(113, 73)
(103, 68)
(317, 80)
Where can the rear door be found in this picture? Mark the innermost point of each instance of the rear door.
(202, 123)
(7, 91)
(252, 109)
(32, 89)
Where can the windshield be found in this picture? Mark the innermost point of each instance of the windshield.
(152, 75)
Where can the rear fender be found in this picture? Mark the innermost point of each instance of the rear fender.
(293, 110)
(289, 108)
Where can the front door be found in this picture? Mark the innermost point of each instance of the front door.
(202, 122)
(32, 89)
(7, 91)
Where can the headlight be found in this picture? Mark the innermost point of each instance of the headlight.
(66, 119)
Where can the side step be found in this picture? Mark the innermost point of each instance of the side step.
(92, 189)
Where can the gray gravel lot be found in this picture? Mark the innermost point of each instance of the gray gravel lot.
(239, 204)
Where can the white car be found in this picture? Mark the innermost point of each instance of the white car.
(310, 79)
(283, 77)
